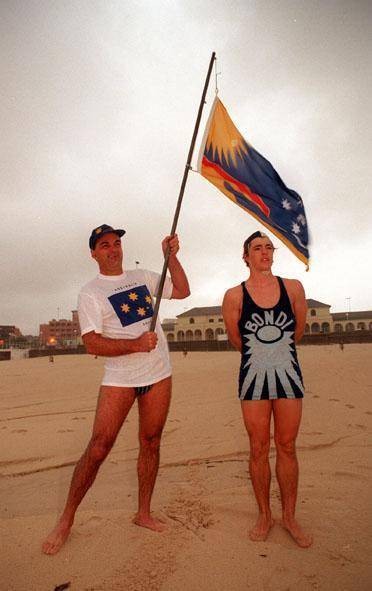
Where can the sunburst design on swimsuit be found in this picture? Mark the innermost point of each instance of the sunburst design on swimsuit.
(271, 358)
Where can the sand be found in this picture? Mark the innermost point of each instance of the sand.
(203, 491)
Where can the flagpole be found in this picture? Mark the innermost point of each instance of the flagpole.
(182, 190)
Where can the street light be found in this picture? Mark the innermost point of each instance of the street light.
(348, 307)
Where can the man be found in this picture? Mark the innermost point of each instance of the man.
(115, 311)
(264, 317)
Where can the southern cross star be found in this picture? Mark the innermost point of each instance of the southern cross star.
(295, 228)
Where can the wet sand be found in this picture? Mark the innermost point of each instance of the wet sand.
(202, 492)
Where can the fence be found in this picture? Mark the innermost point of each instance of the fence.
(57, 351)
(360, 336)
(334, 338)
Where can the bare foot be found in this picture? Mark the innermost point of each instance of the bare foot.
(261, 530)
(300, 537)
(56, 538)
(149, 522)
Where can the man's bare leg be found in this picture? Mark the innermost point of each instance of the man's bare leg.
(256, 415)
(153, 410)
(112, 408)
(287, 418)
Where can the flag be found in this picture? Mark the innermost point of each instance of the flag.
(250, 181)
(132, 305)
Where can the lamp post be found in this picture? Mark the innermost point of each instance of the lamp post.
(348, 307)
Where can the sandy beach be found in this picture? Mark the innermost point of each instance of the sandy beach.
(202, 492)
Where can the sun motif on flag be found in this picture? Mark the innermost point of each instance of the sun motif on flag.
(141, 311)
(125, 308)
(148, 299)
(223, 136)
(133, 296)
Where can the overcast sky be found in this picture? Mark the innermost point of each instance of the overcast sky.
(98, 104)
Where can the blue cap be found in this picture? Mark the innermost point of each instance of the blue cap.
(101, 231)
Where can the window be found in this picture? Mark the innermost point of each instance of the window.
(220, 320)
(307, 329)
(325, 327)
(312, 312)
(209, 334)
(315, 327)
(349, 327)
(211, 320)
(192, 321)
(189, 335)
(338, 327)
(361, 326)
(180, 335)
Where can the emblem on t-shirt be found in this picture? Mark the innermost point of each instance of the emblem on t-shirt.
(132, 305)
(270, 365)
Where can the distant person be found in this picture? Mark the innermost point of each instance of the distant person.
(264, 317)
(115, 311)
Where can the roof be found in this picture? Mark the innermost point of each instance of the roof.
(168, 325)
(217, 310)
(205, 311)
(315, 304)
(366, 315)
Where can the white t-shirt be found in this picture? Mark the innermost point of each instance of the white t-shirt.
(120, 307)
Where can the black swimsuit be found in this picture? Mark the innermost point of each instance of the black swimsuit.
(142, 389)
(269, 367)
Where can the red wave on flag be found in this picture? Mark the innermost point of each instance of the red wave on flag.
(241, 186)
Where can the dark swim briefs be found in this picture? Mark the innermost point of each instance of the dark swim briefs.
(142, 389)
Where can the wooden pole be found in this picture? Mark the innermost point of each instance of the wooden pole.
(182, 190)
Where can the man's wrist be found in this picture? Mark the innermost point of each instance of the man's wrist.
(128, 345)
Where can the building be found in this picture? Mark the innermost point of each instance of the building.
(8, 331)
(321, 320)
(350, 321)
(319, 317)
(206, 324)
(8, 334)
(197, 324)
(61, 332)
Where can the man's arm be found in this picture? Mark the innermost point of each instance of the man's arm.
(96, 344)
(181, 287)
(299, 308)
(231, 311)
